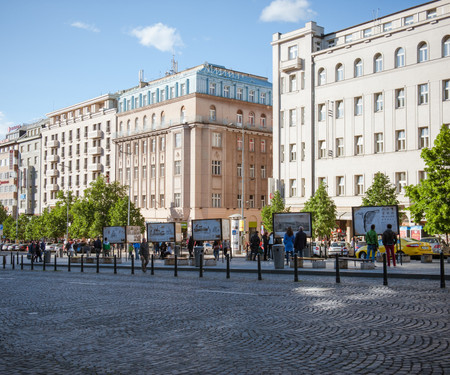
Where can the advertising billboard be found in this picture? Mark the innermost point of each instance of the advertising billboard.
(207, 230)
(114, 234)
(295, 220)
(161, 232)
(381, 216)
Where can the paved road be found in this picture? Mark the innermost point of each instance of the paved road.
(88, 323)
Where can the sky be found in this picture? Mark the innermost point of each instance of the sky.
(56, 53)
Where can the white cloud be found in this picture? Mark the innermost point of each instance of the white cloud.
(287, 11)
(159, 36)
(85, 26)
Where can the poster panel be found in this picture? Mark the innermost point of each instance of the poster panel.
(114, 234)
(381, 216)
(133, 234)
(207, 230)
(295, 220)
(226, 231)
(161, 232)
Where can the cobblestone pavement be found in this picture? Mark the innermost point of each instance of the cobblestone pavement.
(87, 323)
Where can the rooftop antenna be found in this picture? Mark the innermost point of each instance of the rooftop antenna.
(375, 15)
(174, 68)
(141, 75)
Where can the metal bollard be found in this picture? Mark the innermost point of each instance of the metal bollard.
(43, 264)
(228, 266)
(11, 257)
(295, 269)
(98, 263)
(12, 263)
(55, 262)
(201, 265)
(4, 261)
(68, 263)
(115, 263)
(338, 276)
(132, 264)
(32, 262)
(385, 281)
(175, 272)
(17, 259)
(152, 266)
(259, 267)
(21, 263)
(442, 270)
(82, 263)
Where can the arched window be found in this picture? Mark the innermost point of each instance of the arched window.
(422, 52)
(321, 77)
(251, 119)
(182, 115)
(377, 63)
(262, 121)
(358, 68)
(153, 122)
(163, 118)
(121, 127)
(339, 72)
(399, 58)
(128, 126)
(239, 117)
(446, 46)
(212, 113)
(136, 124)
(145, 122)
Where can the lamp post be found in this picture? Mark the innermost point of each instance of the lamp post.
(67, 204)
(242, 190)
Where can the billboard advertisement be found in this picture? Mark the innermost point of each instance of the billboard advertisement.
(114, 234)
(295, 220)
(161, 232)
(207, 230)
(381, 216)
(133, 234)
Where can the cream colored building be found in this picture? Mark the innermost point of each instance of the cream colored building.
(77, 147)
(357, 101)
(180, 140)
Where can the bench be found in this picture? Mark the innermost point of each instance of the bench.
(182, 260)
(316, 262)
(426, 258)
(101, 260)
(366, 264)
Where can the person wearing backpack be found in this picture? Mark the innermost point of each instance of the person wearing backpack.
(389, 240)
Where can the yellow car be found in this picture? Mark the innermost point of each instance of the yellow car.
(407, 246)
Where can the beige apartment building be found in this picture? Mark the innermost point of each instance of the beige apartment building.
(357, 101)
(186, 142)
(77, 147)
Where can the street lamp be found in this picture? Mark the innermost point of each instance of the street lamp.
(129, 184)
(242, 190)
(67, 204)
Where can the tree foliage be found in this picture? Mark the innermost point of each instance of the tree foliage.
(277, 206)
(9, 228)
(3, 214)
(118, 214)
(381, 193)
(430, 199)
(323, 211)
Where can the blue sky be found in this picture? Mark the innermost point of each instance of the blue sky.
(57, 53)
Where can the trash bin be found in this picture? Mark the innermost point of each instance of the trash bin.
(278, 256)
(47, 256)
(197, 251)
(177, 250)
(307, 252)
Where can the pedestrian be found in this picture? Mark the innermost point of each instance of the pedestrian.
(270, 245)
(190, 247)
(130, 251)
(300, 242)
(72, 248)
(162, 250)
(254, 245)
(372, 242)
(97, 246)
(225, 246)
(136, 249)
(106, 247)
(216, 250)
(389, 239)
(156, 248)
(288, 241)
(265, 241)
(144, 254)
(32, 250)
(40, 250)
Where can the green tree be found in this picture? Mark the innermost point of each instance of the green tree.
(430, 199)
(119, 214)
(21, 227)
(3, 213)
(323, 211)
(381, 193)
(277, 206)
(9, 228)
(34, 228)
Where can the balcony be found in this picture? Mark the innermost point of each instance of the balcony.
(53, 144)
(292, 65)
(52, 173)
(53, 158)
(52, 187)
(95, 134)
(96, 167)
(94, 150)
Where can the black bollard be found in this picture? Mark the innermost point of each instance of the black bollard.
(98, 263)
(152, 266)
(338, 276)
(13, 262)
(295, 269)
(259, 267)
(228, 266)
(201, 265)
(442, 270)
(82, 263)
(21, 263)
(55, 262)
(43, 264)
(4, 261)
(132, 264)
(68, 263)
(175, 272)
(115, 263)
(17, 259)
(385, 281)
(32, 262)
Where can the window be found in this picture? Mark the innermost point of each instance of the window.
(263, 171)
(321, 112)
(216, 200)
(251, 96)
(292, 117)
(387, 26)
(359, 146)
(339, 72)
(263, 201)
(340, 187)
(322, 77)
(239, 93)
(339, 147)
(422, 175)
(239, 117)
(399, 98)
(153, 145)
(262, 98)
(163, 94)
(212, 88)
(340, 109)
(423, 137)
(216, 139)
(292, 51)
(400, 140)
(182, 89)
(293, 82)
(358, 106)
(423, 94)
(212, 113)
(262, 121)
(359, 185)
(239, 143)
(400, 58)
(153, 171)
(135, 173)
(177, 137)
(292, 187)
(358, 68)
(303, 151)
(293, 152)
(282, 154)
(162, 170)
(177, 199)
(422, 52)
(367, 32)
(400, 182)
(378, 102)
(182, 115)
(163, 118)
(348, 38)
(263, 146)
(144, 172)
(377, 63)
(252, 171)
(446, 47)
(226, 91)
(239, 170)
(251, 119)
(431, 13)
(409, 20)
(379, 143)
(446, 90)
(216, 167)
(177, 167)
(153, 122)
(322, 149)
(302, 115)
(239, 200)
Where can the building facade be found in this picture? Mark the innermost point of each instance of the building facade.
(364, 99)
(77, 147)
(186, 142)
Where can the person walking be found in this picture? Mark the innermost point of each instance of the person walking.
(216, 250)
(300, 242)
(136, 249)
(106, 247)
(254, 245)
(98, 246)
(372, 242)
(190, 246)
(288, 241)
(265, 241)
(270, 245)
(389, 240)
(145, 254)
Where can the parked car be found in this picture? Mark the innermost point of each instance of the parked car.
(407, 246)
(340, 248)
(359, 244)
(315, 249)
(437, 245)
(207, 248)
